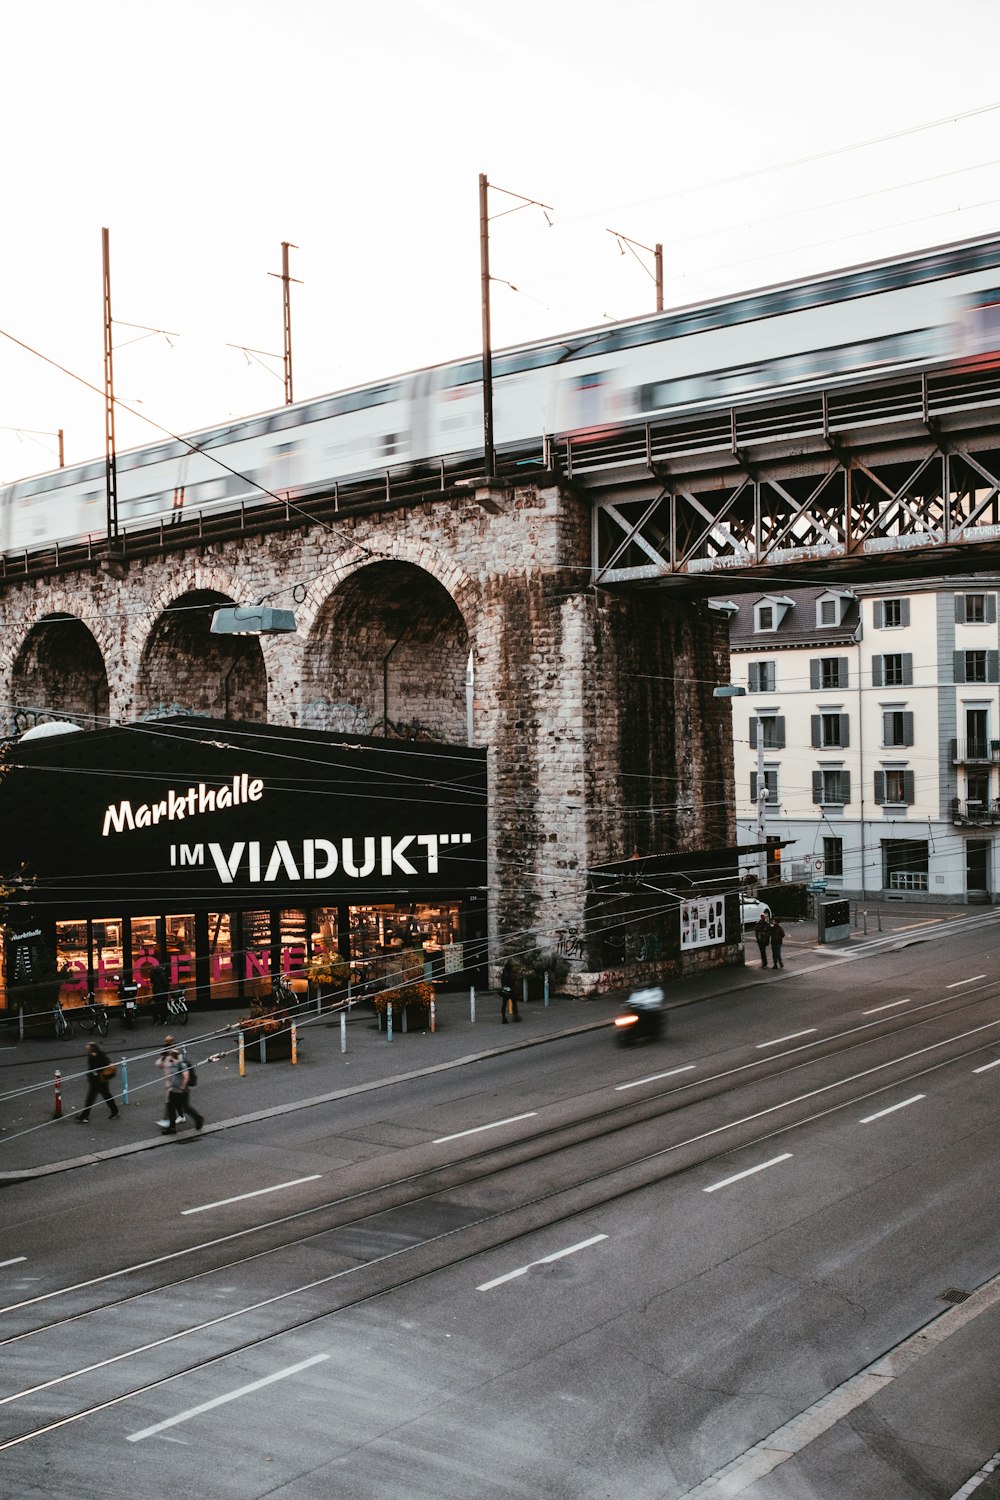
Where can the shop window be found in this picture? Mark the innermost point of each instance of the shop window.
(292, 945)
(73, 962)
(145, 953)
(255, 965)
(180, 952)
(108, 959)
(223, 980)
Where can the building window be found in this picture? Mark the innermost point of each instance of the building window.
(904, 864)
(761, 677)
(770, 782)
(765, 617)
(977, 666)
(830, 731)
(975, 609)
(833, 856)
(891, 614)
(832, 788)
(895, 787)
(897, 727)
(893, 670)
(771, 731)
(827, 672)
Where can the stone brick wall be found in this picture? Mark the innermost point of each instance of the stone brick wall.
(597, 709)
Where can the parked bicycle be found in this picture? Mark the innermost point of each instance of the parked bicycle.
(177, 1009)
(61, 1021)
(93, 1017)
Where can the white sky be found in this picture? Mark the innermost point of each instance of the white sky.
(204, 132)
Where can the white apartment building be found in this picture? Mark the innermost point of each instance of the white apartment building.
(874, 715)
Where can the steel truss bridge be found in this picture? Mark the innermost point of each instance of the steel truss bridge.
(858, 483)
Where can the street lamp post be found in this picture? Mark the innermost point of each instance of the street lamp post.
(733, 690)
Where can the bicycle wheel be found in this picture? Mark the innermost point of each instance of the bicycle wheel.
(102, 1023)
(182, 1014)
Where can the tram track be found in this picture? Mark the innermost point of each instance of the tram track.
(475, 1230)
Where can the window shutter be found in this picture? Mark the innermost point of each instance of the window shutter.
(754, 726)
(769, 676)
(991, 609)
(878, 614)
(907, 729)
(959, 609)
(845, 782)
(907, 668)
(880, 786)
(753, 677)
(814, 675)
(845, 731)
(816, 723)
(959, 666)
(904, 611)
(993, 666)
(779, 732)
(817, 787)
(877, 671)
(753, 786)
(842, 671)
(909, 789)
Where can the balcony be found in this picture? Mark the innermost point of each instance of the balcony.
(982, 751)
(977, 814)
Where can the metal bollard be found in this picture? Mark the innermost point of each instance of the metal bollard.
(433, 1017)
(545, 987)
(343, 1032)
(242, 1052)
(406, 1013)
(20, 1023)
(124, 1071)
(263, 1049)
(295, 1044)
(524, 991)
(472, 1003)
(388, 1023)
(58, 1109)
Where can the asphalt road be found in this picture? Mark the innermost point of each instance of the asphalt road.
(759, 1258)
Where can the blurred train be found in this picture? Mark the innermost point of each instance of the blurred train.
(938, 308)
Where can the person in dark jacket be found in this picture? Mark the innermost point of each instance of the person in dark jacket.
(777, 938)
(177, 1076)
(159, 983)
(98, 1086)
(762, 932)
(508, 993)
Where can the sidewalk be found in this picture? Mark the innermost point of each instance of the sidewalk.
(33, 1143)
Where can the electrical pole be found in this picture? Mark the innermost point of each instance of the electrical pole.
(111, 467)
(761, 804)
(286, 281)
(484, 272)
(656, 251)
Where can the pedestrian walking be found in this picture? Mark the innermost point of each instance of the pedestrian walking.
(159, 983)
(100, 1071)
(177, 1074)
(777, 938)
(762, 932)
(508, 993)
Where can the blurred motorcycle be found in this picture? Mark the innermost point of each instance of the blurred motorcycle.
(643, 1017)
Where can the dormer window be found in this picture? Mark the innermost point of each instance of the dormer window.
(769, 612)
(831, 608)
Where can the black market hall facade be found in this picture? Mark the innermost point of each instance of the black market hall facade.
(235, 852)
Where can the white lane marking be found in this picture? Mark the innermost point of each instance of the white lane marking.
(987, 1066)
(488, 1286)
(959, 982)
(257, 1193)
(750, 1172)
(892, 1109)
(244, 1390)
(493, 1125)
(14, 1260)
(809, 1031)
(654, 1077)
(891, 1006)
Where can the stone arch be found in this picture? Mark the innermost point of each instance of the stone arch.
(387, 656)
(59, 673)
(185, 669)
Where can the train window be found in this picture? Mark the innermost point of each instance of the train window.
(528, 359)
(462, 374)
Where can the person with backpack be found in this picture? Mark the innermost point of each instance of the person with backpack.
(100, 1071)
(777, 938)
(179, 1076)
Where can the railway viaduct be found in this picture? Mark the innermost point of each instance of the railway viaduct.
(596, 707)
